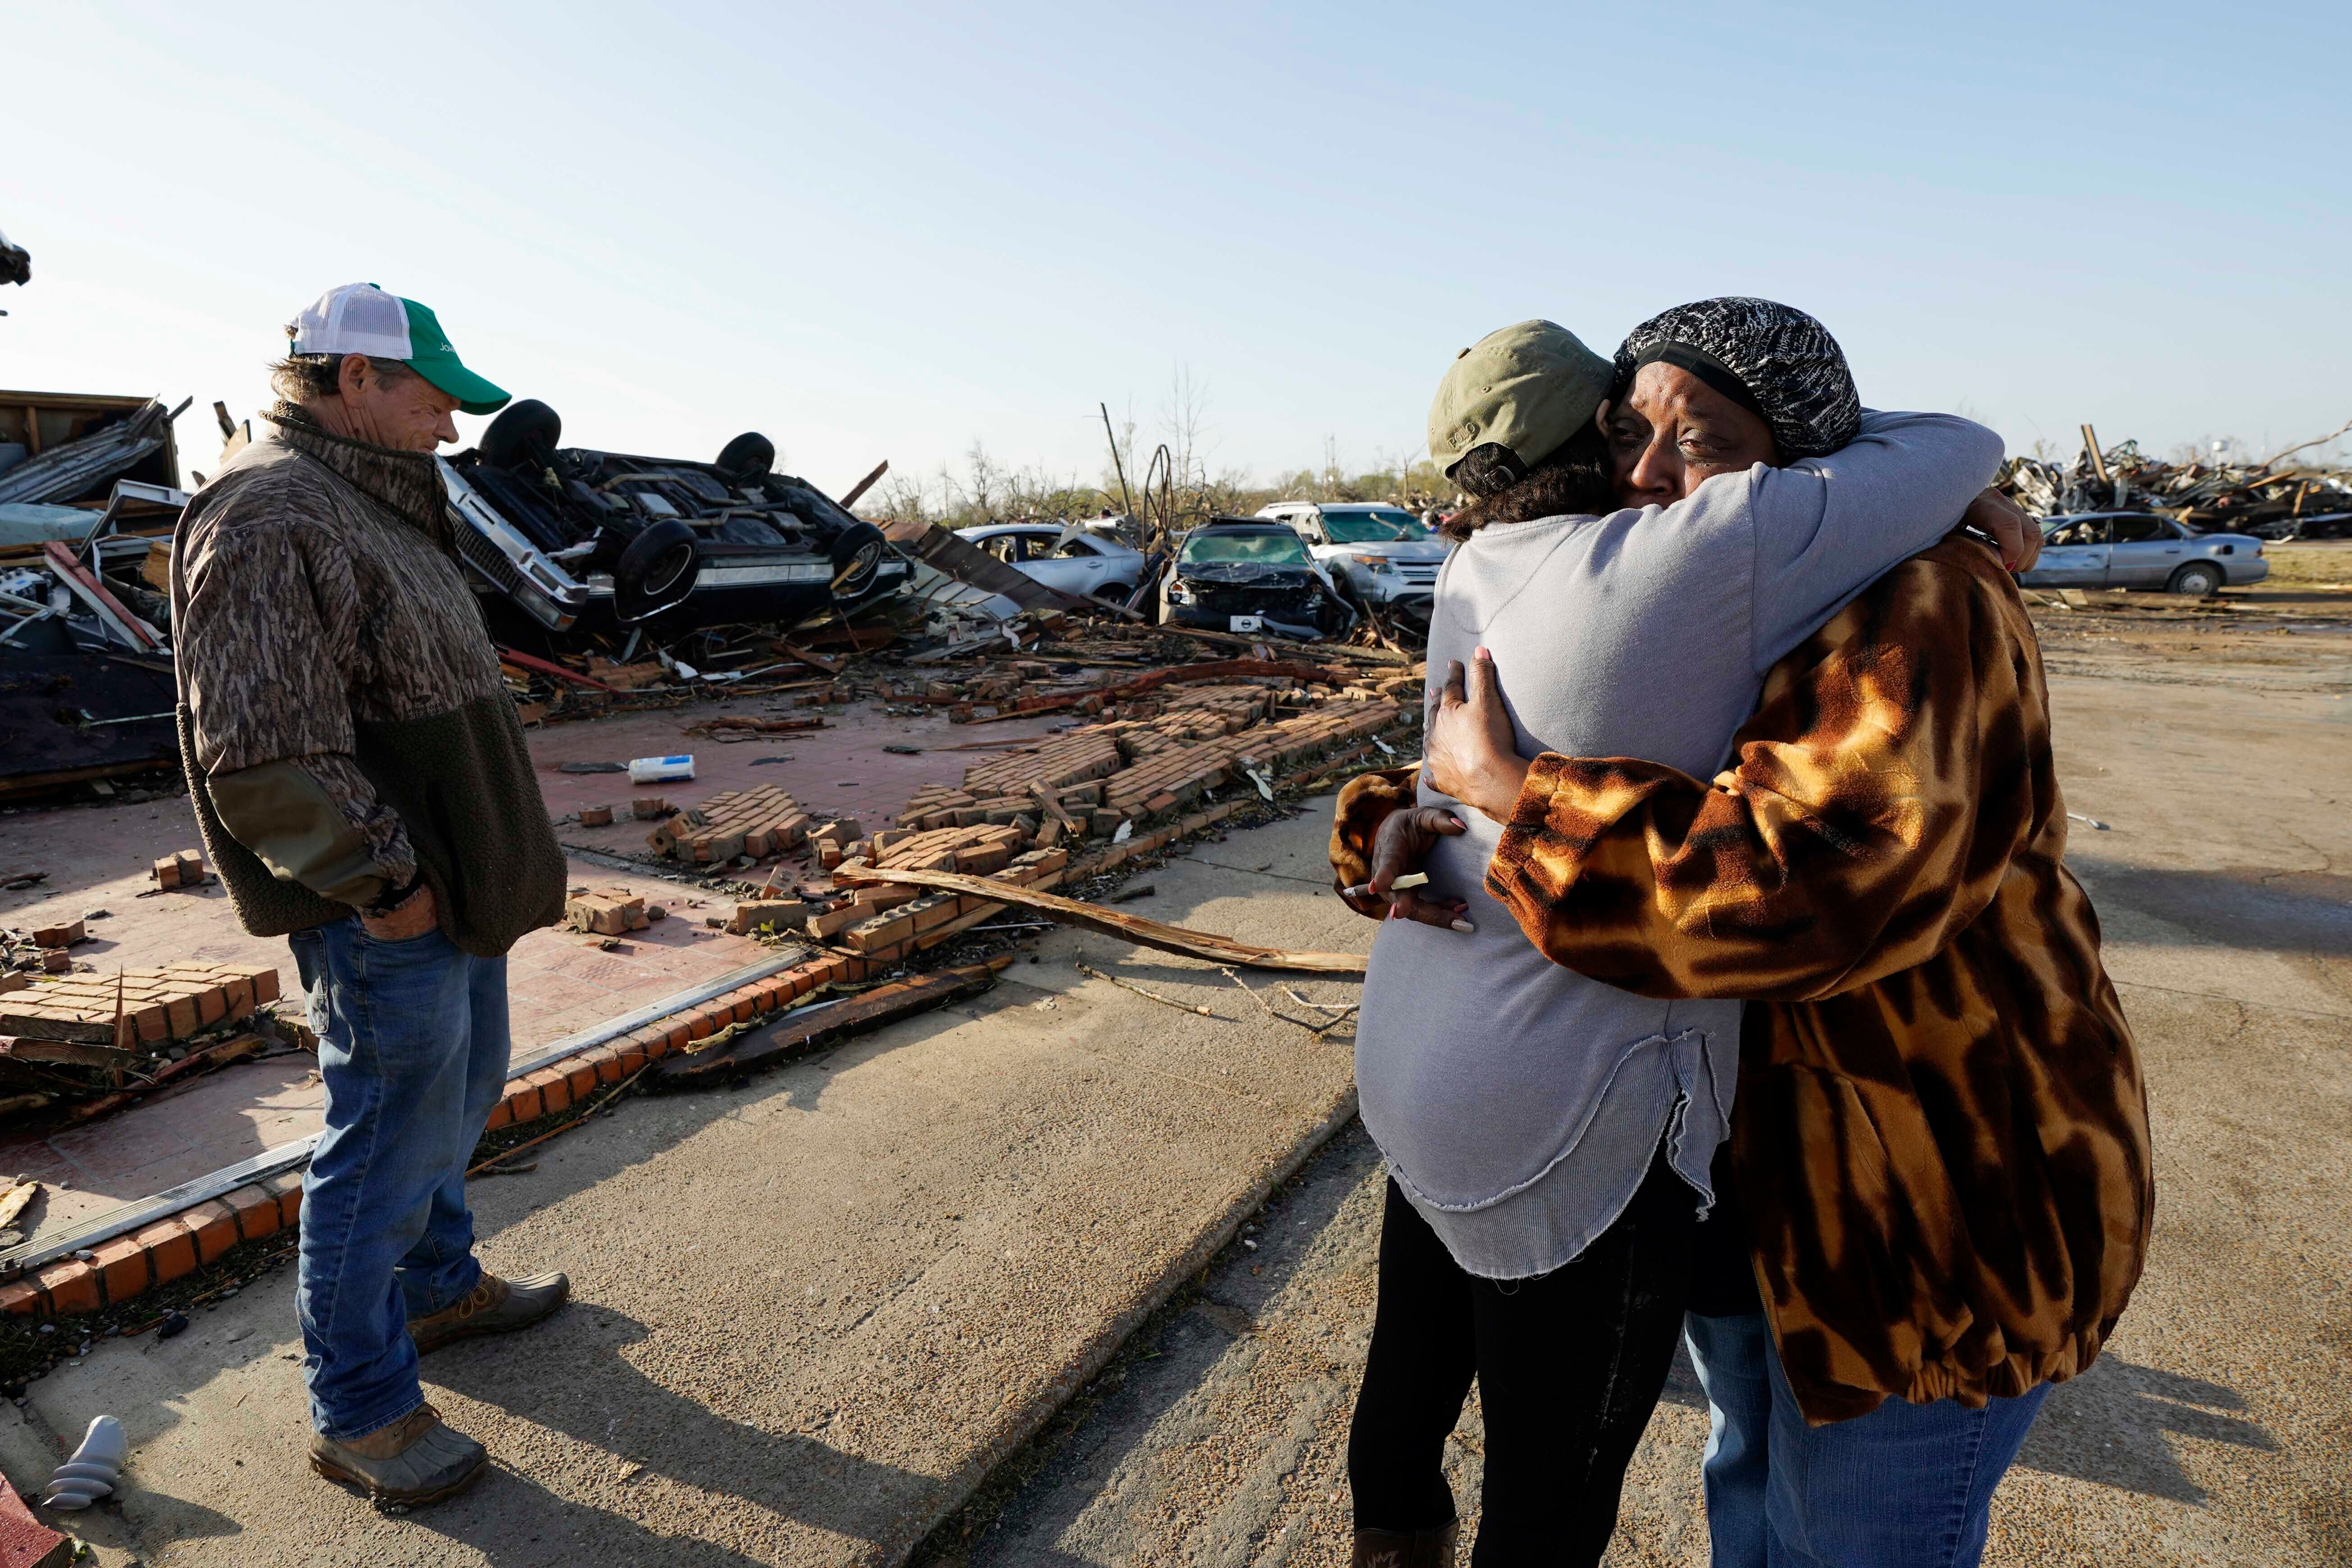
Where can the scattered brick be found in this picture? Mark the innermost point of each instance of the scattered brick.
(183, 869)
(784, 914)
(609, 912)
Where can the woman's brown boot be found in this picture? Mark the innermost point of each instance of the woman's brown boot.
(1408, 1548)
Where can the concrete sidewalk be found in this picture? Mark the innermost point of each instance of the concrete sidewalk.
(810, 1314)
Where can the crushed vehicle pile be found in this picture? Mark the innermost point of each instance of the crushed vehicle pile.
(1380, 557)
(581, 539)
(2278, 500)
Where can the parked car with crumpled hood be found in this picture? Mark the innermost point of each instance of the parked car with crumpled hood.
(580, 539)
(1249, 574)
(1373, 552)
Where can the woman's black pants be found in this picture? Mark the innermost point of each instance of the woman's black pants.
(1569, 1367)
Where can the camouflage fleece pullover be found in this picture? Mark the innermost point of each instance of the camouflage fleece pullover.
(343, 720)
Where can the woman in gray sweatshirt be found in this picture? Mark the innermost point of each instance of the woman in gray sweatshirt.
(1549, 1137)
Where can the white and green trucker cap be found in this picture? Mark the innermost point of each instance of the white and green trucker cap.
(362, 319)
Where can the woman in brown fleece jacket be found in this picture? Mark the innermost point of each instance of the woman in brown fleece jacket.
(1940, 1135)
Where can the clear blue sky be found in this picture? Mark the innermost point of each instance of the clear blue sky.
(881, 230)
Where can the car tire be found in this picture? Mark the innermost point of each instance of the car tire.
(750, 456)
(2199, 579)
(523, 437)
(857, 553)
(656, 572)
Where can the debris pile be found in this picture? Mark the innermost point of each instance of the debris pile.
(2275, 500)
(106, 1020)
(1138, 754)
(759, 823)
(86, 1044)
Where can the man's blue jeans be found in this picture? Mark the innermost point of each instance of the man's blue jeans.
(413, 1050)
(1908, 1485)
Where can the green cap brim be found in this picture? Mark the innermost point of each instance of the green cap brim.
(474, 395)
(437, 362)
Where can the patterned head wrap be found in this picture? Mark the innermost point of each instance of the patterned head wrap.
(1770, 358)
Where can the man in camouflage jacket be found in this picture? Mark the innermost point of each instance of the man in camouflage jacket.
(362, 783)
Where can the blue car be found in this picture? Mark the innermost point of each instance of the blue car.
(2141, 550)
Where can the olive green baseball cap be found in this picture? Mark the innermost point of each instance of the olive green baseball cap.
(1527, 387)
(362, 319)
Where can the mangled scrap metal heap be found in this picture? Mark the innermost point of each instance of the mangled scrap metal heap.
(88, 500)
(2275, 500)
(1159, 749)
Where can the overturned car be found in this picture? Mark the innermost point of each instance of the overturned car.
(584, 540)
(1249, 574)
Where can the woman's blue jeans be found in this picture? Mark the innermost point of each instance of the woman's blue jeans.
(413, 1051)
(1908, 1485)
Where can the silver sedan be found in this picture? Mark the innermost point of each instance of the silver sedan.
(2140, 550)
(1079, 561)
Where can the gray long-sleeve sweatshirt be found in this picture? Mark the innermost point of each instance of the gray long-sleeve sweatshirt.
(1517, 1102)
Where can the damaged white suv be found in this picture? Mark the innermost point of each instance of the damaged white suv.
(1378, 555)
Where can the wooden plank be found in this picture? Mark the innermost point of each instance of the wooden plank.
(815, 661)
(527, 662)
(1109, 923)
(40, 1026)
(25, 1048)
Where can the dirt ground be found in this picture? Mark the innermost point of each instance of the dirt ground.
(2208, 743)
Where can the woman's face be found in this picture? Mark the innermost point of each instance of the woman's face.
(1672, 432)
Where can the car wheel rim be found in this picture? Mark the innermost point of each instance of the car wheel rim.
(669, 570)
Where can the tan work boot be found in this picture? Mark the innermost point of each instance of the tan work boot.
(415, 1460)
(496, 1306)
(1407, 1549)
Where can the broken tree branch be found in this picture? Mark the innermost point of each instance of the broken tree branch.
(2321, 441)
(1088, 969)
(1109, 923)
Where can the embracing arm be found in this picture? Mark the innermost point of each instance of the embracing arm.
(1826, 526)
(1878, 796)
(1363, 805)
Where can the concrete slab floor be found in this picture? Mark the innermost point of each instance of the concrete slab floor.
(97, 859)
(810, 1314)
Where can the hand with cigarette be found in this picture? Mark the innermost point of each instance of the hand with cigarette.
(1403, 841)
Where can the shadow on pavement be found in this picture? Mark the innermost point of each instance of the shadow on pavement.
(2252, 908)
(2110, 1425)
(605, 1402)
